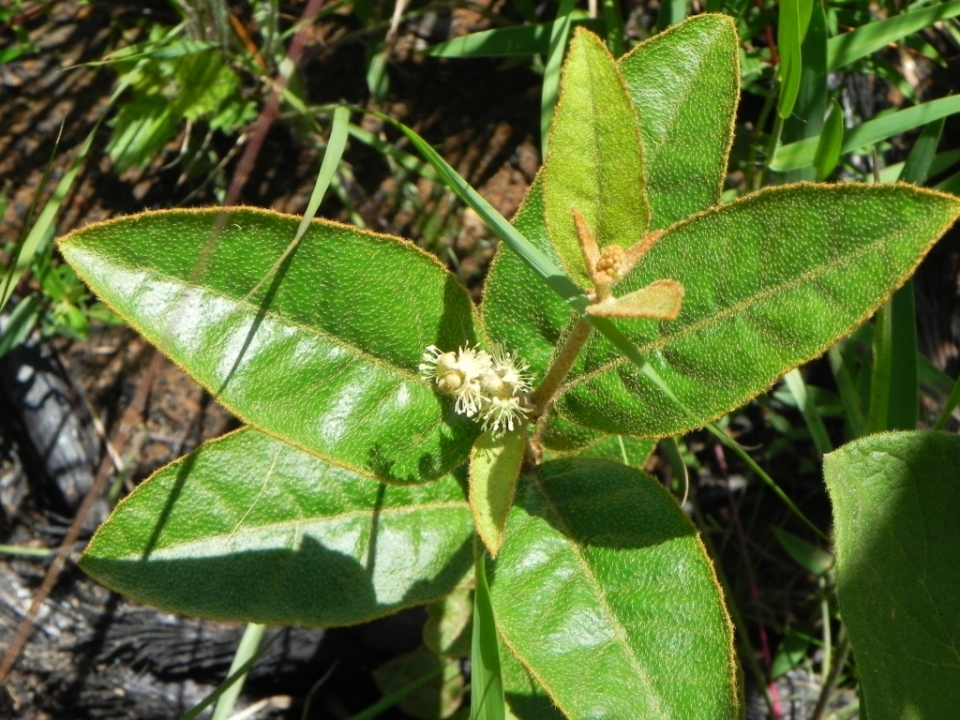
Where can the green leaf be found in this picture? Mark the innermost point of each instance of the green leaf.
(525, 698)
(896, 501)
(448, 629)
(250, 528)
(800, 154)
(851, 46)
(827, 154)
(561, 438)
(523, 314)
(771, 281)
(324, 356)
(791, 65)
(810, 557)
(595, 163)
(684, 84)
(486, 681)
(494, 467)
(518, 41)
(604, 592)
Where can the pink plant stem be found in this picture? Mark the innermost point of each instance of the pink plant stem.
(754, 590)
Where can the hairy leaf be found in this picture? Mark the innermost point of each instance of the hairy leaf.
(605, 594)
(250, 528)
(772, 280)
(595, 162)
(324, 355)
(896, 501)
(684, 83)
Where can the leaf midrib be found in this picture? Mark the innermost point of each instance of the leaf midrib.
(620, 632)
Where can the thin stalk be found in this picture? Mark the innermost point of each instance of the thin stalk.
(769, 481)
(755, 141)
(771, 149)
(746, 649)
(843, 649)
(541, 397)
(827, 633)
(246, 650)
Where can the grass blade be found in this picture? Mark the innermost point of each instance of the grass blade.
(236, 675)
(791, 62)
(22, 320)
(486, 683)
(800, 154)
(827, 155)
(44, 228)
(559, 34)
(519, 41)
(851, 46)
(849, 394)
(246, 650)
(616, 31)
(903, 391)
(331, 159)
(811, 416)
(672, 12)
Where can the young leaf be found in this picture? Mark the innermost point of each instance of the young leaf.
(620, 614)
(494, 467)
(250, 528)
(325, 355)
(771, 281)
(684, 83)
(896, 501)
(595, 163)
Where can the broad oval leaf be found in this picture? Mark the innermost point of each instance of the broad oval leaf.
(604, 592)
(250, 528)
(595, 161)
(324, 355)
(685, 83)
(896, 501)
(771, 281)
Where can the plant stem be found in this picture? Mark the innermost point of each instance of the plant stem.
(751, 168)
(843, 650)
(771, 149)
(541, 397)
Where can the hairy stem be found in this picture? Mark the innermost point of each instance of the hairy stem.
(544, 394)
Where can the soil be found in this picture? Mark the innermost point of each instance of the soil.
(94, 654)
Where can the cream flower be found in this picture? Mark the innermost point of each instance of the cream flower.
(489, 386)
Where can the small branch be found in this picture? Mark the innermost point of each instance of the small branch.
(544, 394)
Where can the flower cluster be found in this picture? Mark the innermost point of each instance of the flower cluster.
(491, 387)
